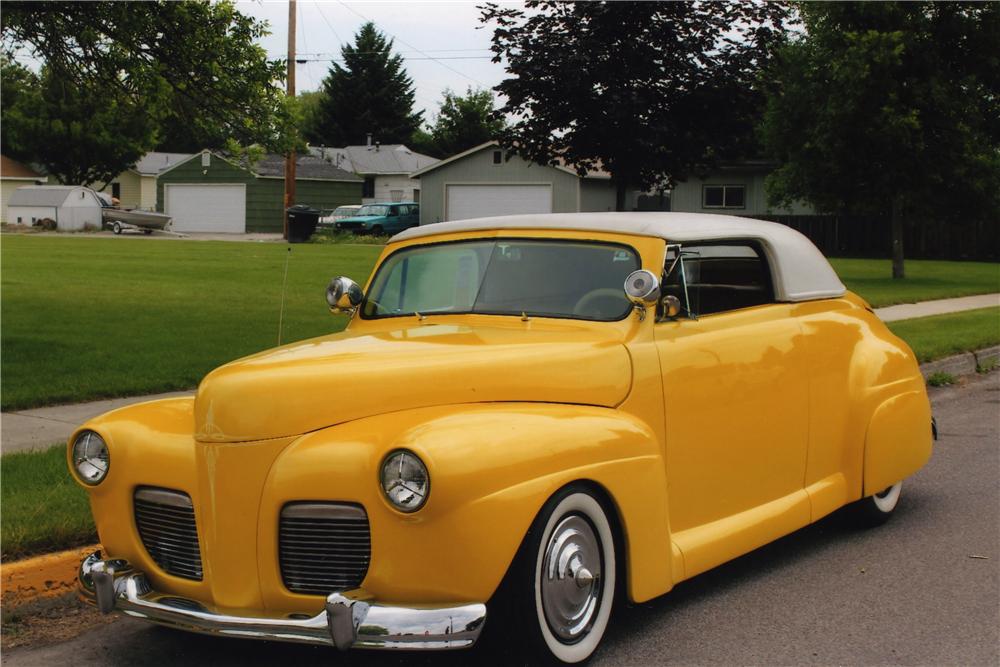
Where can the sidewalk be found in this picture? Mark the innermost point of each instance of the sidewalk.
(909, 311)
(40, 428)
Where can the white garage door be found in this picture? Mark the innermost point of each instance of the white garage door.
(481, 201)
(206, 208)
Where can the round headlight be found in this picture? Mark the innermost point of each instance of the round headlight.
(91, 458)
(405, 481)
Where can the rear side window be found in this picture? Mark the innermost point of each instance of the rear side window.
(723, 277)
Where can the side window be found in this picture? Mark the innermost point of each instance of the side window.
(721, 276)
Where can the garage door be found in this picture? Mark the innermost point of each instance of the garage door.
(481, 201)
(206, 208)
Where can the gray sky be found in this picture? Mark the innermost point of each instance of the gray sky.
(439, 41)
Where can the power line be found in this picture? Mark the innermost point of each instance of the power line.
(423, 53)
(341, 59)
(319, 6)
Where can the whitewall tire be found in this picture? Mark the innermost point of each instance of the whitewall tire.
(574, 577)
(876, 509)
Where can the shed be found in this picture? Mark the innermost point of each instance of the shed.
(73, 207)
(14, 175)
(484, 181)
(209, 192)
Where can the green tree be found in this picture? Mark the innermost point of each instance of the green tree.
(310, 105)
(370, 93)
(79, 134)
(194, 66)
(16, 82)
(464, 121)
(650, 91)
(889, 109)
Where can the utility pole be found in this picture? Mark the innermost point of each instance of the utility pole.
(290, 157)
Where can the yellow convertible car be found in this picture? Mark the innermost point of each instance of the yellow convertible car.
(523, 416)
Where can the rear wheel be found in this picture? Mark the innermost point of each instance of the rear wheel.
(117, 228)
(559, 592)
(876, 509)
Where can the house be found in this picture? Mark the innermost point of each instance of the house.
(485, 181)
(735, 188)
(13, 175)
(212, 193)
(73, 207)
(385, 169)
(136, 187)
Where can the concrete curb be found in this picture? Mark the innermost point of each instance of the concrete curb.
(966, 363)
(48, 575)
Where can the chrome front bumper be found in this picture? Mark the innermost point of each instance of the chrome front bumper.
(347, 621)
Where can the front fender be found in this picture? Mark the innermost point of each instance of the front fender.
(492, 467)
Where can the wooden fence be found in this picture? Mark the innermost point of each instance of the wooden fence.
(842, 236)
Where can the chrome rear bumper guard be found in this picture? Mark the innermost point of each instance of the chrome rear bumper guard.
(348, 620)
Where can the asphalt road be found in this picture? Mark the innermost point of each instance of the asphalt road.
(910, 592)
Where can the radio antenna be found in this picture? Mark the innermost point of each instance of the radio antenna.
(284, 281)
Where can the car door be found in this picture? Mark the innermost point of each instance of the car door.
(394, 219)
(735, 391)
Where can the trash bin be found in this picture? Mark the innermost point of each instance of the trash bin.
(302, 221)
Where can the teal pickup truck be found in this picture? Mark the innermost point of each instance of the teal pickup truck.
(380, 219)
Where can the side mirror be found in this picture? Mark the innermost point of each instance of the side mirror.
(642, 288)
(343, 295)
(671, 306)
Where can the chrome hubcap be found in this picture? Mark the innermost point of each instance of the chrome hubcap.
(571, 578)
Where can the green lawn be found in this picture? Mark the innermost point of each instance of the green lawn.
(86, 318)
(43, 509)
(925, 280)
(943, 335)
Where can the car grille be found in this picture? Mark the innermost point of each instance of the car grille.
(351, 226)
(165, 520)
(323, 547)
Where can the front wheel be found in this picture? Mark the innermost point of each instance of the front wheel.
(876, 509)
(562, 585)
(116, 228)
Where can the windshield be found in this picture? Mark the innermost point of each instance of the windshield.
(345, 211)
(374, 210)
(567, 279)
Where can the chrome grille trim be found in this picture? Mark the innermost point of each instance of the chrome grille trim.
(323, 547)
(166, 524)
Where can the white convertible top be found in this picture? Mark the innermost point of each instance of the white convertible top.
(799, 269)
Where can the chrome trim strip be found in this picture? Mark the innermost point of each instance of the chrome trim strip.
(164, 497)
(323, 511)
(350, 619)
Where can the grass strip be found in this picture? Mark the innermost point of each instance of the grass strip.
(925, 280)
(941, 336)
(42, 508)
(90, 318)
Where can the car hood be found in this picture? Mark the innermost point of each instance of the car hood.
(324, 381)
(362, 218)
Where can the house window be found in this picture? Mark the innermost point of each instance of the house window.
(116, 190)
(396, 195)
(497, 157)
(723, 196)
(368, 190)
(416, 195)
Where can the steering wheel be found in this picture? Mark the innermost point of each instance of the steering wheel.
(606, 301)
